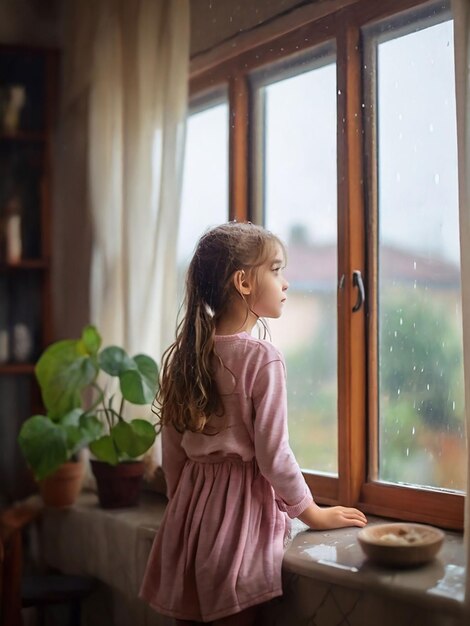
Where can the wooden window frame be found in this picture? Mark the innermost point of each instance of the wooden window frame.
(357, 239)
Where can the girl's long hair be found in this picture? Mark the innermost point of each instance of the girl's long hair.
(188, 393)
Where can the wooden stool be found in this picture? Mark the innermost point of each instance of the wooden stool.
(18, 590)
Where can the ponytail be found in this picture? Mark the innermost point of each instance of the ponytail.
(188, 394)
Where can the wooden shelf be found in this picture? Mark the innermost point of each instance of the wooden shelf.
(23, 136)
(26, 286)
(25, 264)
(16, 368)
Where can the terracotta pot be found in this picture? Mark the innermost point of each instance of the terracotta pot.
(61, 488)
(118, 485)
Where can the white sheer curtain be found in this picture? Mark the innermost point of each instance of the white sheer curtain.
(137, 111)
(461, 11)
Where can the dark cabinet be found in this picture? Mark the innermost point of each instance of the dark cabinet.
(28, 102)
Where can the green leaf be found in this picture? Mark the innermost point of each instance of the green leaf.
(73, 435)
(91, 426)
(91, 340)
(114, 360)
(149, 370)
(80, 430)
(43, 444)
(63, 372)
(138, 386)
(133, 438)
(73, 439)
(105, 450)
(72, 418)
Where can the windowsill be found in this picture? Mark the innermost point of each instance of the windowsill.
(336, 557)
(113, 546)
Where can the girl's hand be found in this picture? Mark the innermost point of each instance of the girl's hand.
(325, 518)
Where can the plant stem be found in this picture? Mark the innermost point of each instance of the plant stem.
(99, 399)
(121, 408)
(107, 413)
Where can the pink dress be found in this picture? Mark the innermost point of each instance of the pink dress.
(219, 549)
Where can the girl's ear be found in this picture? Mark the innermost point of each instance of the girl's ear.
(241, 282)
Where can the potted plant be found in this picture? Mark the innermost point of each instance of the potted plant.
(51, 446)
(51, 443)
(76, 376)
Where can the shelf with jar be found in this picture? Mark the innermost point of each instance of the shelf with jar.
(28, 102)
(23, 263)
(20, 321)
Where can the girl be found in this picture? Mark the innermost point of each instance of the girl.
(232, 478)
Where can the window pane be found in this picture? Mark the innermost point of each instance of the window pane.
(300, 206)
(205, 180)
(421, 411)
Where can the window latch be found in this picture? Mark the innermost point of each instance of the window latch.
(361, 296)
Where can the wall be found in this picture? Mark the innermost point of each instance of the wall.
(72, 226)
(71, 221)
(32, 22)
(36, 22)
(215, 21)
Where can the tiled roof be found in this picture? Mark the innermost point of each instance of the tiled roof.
(312, 267)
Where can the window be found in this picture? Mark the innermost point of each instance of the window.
(204, 201)
(342, 139)
(420, 374)
(297, 122)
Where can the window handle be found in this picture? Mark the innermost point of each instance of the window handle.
(361, 296)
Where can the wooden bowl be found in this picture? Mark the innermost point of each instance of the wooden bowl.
(400, 544)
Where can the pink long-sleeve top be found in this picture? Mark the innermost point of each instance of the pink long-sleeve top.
(251, 378)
